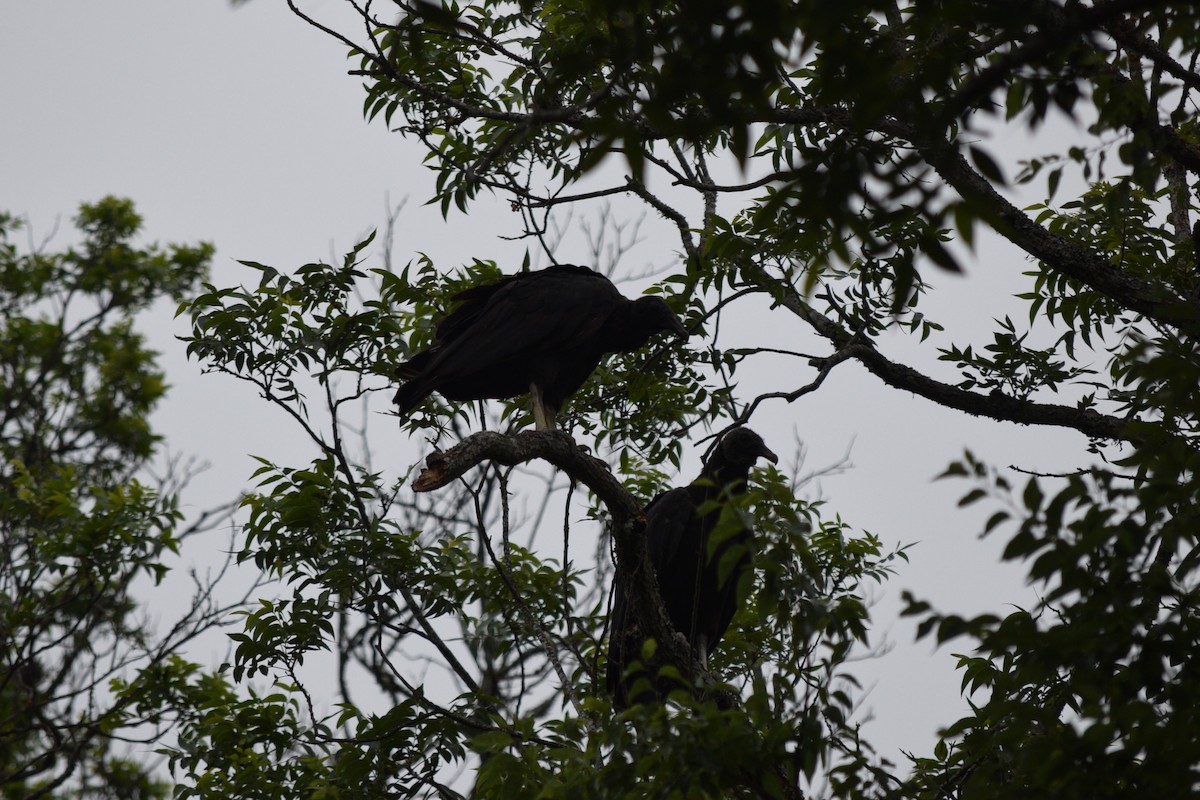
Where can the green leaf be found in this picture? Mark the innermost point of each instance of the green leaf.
(986, 165)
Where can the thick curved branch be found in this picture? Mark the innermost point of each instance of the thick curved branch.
(899, 376)
(1054, 27)
(1086, 266)
(1152, 300)
(627, 526)
(443, 467)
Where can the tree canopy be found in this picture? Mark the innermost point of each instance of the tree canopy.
(826, 162)
(83, 522)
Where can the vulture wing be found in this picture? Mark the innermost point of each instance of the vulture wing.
(505, 335)
(669, 518)
(548, 311)
(698, 578)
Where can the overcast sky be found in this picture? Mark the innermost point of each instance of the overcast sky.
(240, 127)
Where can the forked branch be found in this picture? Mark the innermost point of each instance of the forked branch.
(628, 520)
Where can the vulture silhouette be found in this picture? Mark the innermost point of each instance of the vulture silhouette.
(698, 573)
(540, 332)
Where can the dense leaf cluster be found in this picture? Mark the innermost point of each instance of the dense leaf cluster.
(385, 587)
(825, 162)
(831, 159)
(78, 525)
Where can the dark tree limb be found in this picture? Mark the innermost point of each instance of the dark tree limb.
(1153, 300)
(628, 521)
(1144, 46)
(995, 406)
(1054, 27)
(899, 376)
(558, 448)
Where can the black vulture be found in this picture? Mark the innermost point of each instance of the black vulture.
(540, 332)
(698, 574)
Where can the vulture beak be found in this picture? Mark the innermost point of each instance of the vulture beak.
(768, 455)
(681, 332)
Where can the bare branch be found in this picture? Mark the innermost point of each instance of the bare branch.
(995, 406)
(1150, 299)
(627, 518)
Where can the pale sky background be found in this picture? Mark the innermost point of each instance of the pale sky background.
(241, 127)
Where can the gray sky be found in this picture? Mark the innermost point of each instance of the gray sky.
(242, 128)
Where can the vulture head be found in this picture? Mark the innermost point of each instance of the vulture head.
(737, 452)
(643, 318)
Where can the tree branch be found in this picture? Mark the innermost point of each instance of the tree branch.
(1054, 28)
(995, 406)
(1090, 268)
(899, 376)
(1131, 40)
(628, 521)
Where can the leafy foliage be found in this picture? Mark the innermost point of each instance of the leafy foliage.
(825, 162)
(77, 527)
(373, 579)
(1097, 673)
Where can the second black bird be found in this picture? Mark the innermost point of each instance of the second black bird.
(698, 571)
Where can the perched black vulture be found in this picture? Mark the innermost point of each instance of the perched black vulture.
(539, 332)
(698, 575)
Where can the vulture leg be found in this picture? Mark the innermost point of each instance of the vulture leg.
(543, 415)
